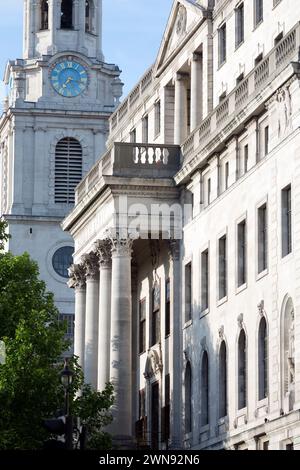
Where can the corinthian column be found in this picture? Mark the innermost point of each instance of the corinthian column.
(91, 320)
(103, 250)
(121, 340)
(77, 282)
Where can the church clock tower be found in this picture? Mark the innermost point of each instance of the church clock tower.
(53, 129)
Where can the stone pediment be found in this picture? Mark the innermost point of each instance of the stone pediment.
(184, 18)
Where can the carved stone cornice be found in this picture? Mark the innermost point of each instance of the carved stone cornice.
(77, 276)
(91, 265)
(103, 251)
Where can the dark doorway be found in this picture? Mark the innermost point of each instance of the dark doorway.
(155, 415)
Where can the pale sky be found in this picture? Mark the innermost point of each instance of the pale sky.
(132, 32)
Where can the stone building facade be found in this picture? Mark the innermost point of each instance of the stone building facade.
(53, 129)
(186, 265)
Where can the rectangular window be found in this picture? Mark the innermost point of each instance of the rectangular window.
(246, 158)
(278, 38)
(223, 267)
(168, 308)
(157, 113)
(286, 221)
(262, 237)
(226, 175)
(142, 404)
(204, 280)
(188, 292)
(242, 253)
(239, 25)
(142, 326)
(208, 191)
(133, 136)
(155, 314)
(266, 140)
(258, 12)
(69, 319)
(222, 44)
(166, 411)
(145, 129)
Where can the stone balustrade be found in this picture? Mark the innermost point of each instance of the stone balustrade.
(132, 160)
(272, 65)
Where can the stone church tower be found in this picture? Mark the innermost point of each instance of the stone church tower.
(53, 129)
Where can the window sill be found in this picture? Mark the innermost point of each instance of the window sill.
(262, 275)
(257, 25)
(237, 46)
(222, 301)
(187, 324)
(204, 428)
(204, 313)
(241, 288)
(286, 258)
(221, 65)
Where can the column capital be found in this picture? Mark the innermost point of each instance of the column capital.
(91, 265)
(77, 276)
(196, 56)
(103, 251)
(174, 249)
(181, 76)
(120, 245)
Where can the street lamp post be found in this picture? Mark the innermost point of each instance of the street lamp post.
(66, 377)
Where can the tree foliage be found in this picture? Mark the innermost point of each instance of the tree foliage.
(34, 337)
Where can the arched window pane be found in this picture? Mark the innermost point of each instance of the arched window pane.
(62, 260)
(223, 381)
(188, 398)
(242, 371)
(89, 15)
(68, 170)
(67, 14)
(44, 14)
(263, 359)
(204, 390)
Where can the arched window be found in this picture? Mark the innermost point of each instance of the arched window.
(188, 398)
(223, 381)
(242, 371)
(262, 360)
(204, 390)
(66, 14)
(89, 15)
(288, 355)
(68, 170)
(44, 14)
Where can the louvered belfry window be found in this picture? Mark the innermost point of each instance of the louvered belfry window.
(68, 170)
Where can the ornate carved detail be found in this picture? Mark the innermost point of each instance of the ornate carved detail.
(91, 265)
(154, 364)
(77, 276)
(284, 110)
(174, 250)
(261, 308)
(240, 320)
(181, 21)
(221, 332)
(103, 251)
(155, 251)
(120, 246)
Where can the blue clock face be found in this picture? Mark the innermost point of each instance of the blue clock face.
(69, 78)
